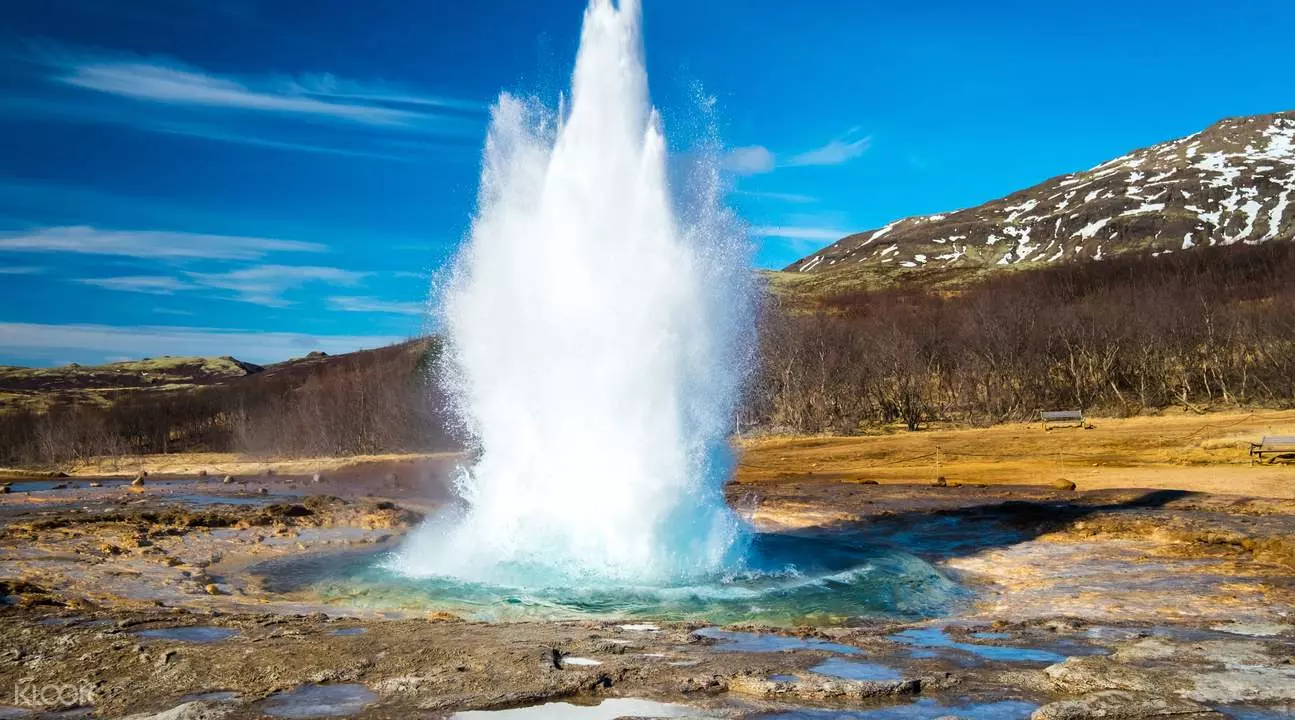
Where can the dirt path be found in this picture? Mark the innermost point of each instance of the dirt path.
(1172, 452)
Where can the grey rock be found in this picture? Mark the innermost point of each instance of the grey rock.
(189, 711)
(1123, 705)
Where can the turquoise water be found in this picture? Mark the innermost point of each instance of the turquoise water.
(785, 579)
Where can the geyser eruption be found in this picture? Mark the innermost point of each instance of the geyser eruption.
(598, 331)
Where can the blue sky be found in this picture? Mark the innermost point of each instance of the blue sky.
(263, 179)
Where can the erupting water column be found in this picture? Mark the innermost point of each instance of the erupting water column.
(597, 339)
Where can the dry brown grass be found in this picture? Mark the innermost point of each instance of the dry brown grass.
(220, 464)
(1173, 451)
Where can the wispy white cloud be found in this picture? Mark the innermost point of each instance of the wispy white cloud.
(836, 152)
(150, 244)
(777, 196)
(257, 284)
(32, 340)
(758, 159)
(266, 284)
(750, 160)
(359, 118)
(328, 85)
(20, 270)
(375, 305)
(215, 132)
(171, 83)
(150, 284)
(793, 232)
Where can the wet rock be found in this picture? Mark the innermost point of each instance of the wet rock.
(316, 478)
(189, 711)
(211, 589)
(1255, 629)
(138, 481)
(1123, 705)
(708, 685)
(95, 484)
(1063, 625)
(938, 681)
(228, 479)
(401, 686)
(1063, 484)
(822, 688)
(1244, 683)
(262, 491)
(1092, 674)
(4, 490)
(615, 647)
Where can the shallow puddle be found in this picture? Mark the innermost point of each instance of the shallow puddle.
(581, 661)
(19, 486)
(609, 709)
(197, 634)
(854, 670)
(729, 641)
(924, 709)
(1274, 712)
(312, 701)
(927, 642)
(204, 500)
(349, 631)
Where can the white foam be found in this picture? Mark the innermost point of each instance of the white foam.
(597, 336)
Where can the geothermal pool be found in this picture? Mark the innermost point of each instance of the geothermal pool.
(792, 579)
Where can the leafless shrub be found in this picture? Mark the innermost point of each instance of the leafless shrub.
(1214, 327)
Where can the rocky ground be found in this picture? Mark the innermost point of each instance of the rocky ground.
(141, 601)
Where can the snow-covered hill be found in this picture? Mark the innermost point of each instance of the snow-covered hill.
(1232, 183)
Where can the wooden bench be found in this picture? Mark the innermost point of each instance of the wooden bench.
(1274, 446)
(1075, 417)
